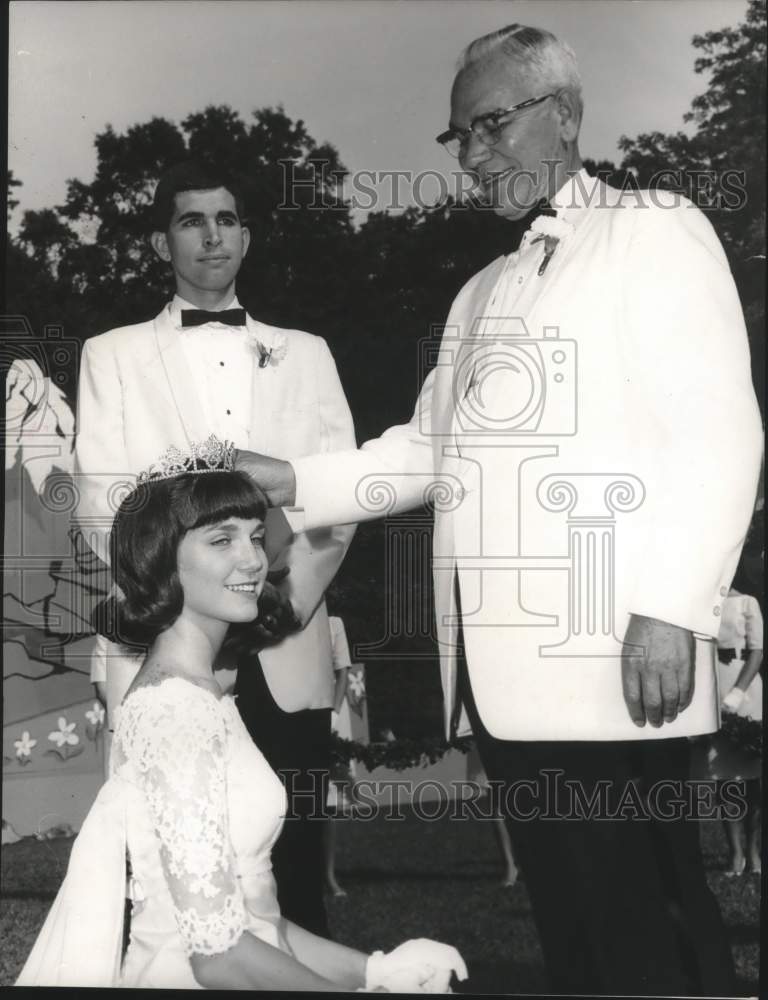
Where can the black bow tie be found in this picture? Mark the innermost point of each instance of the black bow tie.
(522, 226)
(196, 317)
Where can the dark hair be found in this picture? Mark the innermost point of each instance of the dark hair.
(148, 527)
(744, 581)
(189, 176)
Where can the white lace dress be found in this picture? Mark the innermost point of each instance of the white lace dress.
(198, 809)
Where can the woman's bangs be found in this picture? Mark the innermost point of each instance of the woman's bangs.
(218, 496)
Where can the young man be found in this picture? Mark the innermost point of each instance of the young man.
(582, 418)
(203, 367)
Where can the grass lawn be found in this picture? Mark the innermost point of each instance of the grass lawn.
(404, 879)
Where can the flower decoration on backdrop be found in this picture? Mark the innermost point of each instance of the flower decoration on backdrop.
(356, 690)
(66, 739)
(24, 748)
(95, 719)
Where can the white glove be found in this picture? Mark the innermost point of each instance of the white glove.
(417, 966)
(734, 699)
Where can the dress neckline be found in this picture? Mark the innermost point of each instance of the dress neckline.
(174, 677)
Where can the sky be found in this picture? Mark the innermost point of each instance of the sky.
(371, 76)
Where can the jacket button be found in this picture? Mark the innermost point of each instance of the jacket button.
(716, 611)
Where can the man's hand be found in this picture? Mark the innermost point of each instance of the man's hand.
(657, 670)
(274, 476)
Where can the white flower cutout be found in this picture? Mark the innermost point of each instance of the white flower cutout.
(25, 745)
(356, 690)
(64, 735)
(356, 684)
(96, 715)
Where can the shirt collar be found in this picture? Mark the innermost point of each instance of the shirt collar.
(177, 303)
(575, 195)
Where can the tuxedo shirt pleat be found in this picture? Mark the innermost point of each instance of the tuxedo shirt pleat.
(507, 301)
(518, 285)
(220, 360)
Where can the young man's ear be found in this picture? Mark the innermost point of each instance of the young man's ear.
(246, 239)
(159, 243)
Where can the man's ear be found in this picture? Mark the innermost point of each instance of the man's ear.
(569, 110)
(246, 239)
(159, 243)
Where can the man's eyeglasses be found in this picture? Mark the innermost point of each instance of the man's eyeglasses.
(487, 127)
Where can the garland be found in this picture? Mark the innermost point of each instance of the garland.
(743, 732)
(398, 754)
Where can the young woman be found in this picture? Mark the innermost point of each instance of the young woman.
(190, 797)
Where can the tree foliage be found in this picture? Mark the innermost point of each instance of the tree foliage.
(96, 242)
(722, 164)
(381, 291)
(11, 202)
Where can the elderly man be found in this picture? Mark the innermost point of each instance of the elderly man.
(592, 421)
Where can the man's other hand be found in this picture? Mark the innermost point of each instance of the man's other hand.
(657, 670)
(274, 476)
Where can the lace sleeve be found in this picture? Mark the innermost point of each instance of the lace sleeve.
(179, 749)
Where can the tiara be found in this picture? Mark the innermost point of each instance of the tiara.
(210, 455)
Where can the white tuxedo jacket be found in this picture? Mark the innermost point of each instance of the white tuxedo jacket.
(136, 397)
(591, 441)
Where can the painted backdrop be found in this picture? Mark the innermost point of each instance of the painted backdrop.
(53, 748)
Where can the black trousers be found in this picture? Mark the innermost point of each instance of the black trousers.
(622, 905)
(297, 746)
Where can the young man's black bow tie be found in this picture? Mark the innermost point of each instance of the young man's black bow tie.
(196, 317)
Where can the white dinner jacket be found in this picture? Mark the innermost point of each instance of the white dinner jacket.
(597, 460)
(136, 397)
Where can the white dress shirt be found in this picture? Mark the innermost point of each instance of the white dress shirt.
(221, 361)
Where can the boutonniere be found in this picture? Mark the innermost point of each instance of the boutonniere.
(551, 230)
(269, 355)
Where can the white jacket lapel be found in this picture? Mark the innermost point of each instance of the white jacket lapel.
(178, 379)
(264, 385)
(460, 326)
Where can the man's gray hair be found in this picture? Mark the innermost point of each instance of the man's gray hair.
(547, 63)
